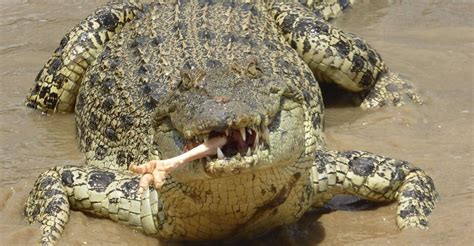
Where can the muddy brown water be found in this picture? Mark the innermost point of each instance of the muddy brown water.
(430, 42)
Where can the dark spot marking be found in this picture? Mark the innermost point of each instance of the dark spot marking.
(287, 24)
(130, 188)
(52, 192)
(67, 178)
(181, 28)
(100, 180)
(146, 89)
(206, 2)
(316, 120)
(93, 122)
(307, 97)
(150, 104)
(343, 48)
(93, 79)
(108, 20)
(157, 40)
(404, 213)
(127, 121)
(137, 42)
(98, 39)
(110, 134)
(100, 152)
(63, 42)
(423, 222)
(306, 46)
(344, 3)
(367, 79)
(108, 104)
(391, 88)
(360, 44)
(122, 158)
(45, 182)
(373, 57)
(114, 63)
(44, 91)
(314, 28)
(229, 3)
(108, 84)
(51, 100)
(212, 63)
(54, 207)
(270, 44)
(59, 80)
(229, 38)
(55, 65)
(293, 44)
(357, 63)
(143, 69)
(250, 41)
(362, 166)
(206, 35)
(36, 211)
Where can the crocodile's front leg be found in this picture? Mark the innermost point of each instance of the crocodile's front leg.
(103, 192)
(342, 58)
(375, 178)
(58, 82)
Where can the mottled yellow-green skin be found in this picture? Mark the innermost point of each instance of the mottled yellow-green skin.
(147, 79)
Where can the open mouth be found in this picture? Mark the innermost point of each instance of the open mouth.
(240, 142)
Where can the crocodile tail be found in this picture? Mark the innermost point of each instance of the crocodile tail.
(48, 204)
(58, 82)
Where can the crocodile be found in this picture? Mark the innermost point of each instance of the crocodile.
(203, 120)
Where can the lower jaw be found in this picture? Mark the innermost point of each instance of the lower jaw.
(234, 165)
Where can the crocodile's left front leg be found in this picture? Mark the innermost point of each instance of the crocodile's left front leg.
(342, 58)
(103, 192)
(375, 178)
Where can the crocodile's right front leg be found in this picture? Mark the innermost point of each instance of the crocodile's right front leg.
(58, 82)
(103, 192)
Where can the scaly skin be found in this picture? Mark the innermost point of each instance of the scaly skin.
(175, 75)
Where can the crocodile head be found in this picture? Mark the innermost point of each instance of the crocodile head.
(258, 112)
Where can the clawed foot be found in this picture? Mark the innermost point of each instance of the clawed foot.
(155, 172)
(391, 90)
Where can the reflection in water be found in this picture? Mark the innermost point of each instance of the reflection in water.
(430, 42)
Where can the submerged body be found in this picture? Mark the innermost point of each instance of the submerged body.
(153, 81)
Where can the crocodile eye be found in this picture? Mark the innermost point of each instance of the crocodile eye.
(253, 70)
(185, 81)
(190, 78)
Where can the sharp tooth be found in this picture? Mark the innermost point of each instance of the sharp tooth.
(249, 152)
(220, 155)
(243, 134)
(265, 134)
(206, 137)
(249, 131)
(255, 143)
(226, 132)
